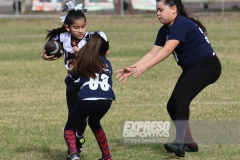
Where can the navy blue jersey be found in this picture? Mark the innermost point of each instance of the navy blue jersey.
(194, 46)
(95, 89)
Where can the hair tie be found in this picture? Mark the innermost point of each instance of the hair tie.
(69, 7)
(103, 35)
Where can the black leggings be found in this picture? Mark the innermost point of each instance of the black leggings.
(94, 109)
(72, 96)
(189, 84)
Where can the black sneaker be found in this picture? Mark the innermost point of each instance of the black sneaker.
(73, 156)
(175, 147)
(79, 143)
(191, 147)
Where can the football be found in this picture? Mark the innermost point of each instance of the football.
(53, 47)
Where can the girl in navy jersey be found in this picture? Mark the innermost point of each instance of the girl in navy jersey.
(95, 96)
(73, 36)
(184, 37)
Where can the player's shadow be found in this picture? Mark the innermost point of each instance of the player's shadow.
(45, 152)
(48, 153)
(157, 148)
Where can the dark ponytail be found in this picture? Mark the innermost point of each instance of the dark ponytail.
(54, 32)
(182, 11)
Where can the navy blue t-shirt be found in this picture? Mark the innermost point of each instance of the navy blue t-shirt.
(194, 46)
(99, 88)
(94, 89)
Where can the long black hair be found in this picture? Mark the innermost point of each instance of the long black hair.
(71, 17)
(182, 11)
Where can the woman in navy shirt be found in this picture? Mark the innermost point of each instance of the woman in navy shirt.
(95, 96)
(184, 37)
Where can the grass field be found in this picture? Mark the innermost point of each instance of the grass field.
(33, 106)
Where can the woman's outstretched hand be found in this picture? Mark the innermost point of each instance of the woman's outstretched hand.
(124, 73)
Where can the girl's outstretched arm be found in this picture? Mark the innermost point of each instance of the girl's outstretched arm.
(157, 58)
(148, 56)
(125, 72)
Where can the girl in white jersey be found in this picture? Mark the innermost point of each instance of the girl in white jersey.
(184, 37)
(73, 36)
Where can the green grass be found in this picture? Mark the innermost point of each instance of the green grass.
(33, 106)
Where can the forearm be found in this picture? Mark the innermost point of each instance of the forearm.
(157, 58)
(71, 78)
(155, 49)
(144, 59)
(162, 54)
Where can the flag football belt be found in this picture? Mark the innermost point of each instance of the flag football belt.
(95, 82)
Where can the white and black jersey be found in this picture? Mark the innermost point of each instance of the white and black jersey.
(65, 39)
